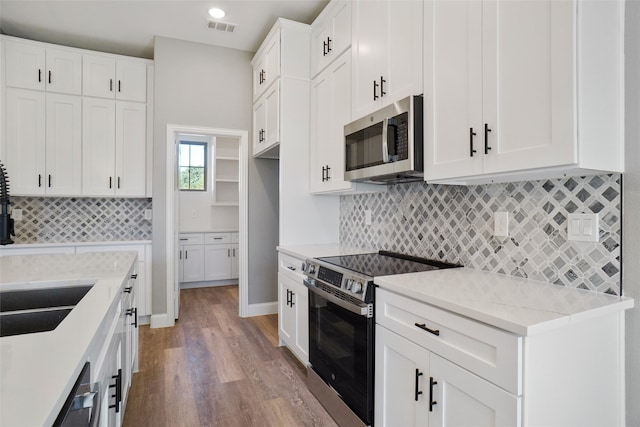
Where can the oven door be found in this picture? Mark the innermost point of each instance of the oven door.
(341, 351)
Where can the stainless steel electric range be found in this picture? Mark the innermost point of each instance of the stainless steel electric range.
(341, 328)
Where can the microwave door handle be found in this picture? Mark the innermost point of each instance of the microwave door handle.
(385, 141)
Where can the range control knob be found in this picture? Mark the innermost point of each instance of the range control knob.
(304, 267)
(348, 284)
(356, 288)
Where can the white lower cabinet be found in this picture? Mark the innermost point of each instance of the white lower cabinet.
(415, 387)
(438, 368)
(293, 307)
(208, 257)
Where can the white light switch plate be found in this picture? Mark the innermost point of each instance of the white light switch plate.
(501, 224)
(16, 214)
(148, 214)
(583, 227)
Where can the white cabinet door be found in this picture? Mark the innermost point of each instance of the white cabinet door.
(272, 99)
(130, 149)
(217, 264)
(235, 261)
(402, 381)
(193, 263)
(26, 132)
(267, 68)
(300, 302)
(25, 65)
(286, 312)
(64, 71)
(461, 398)
(331, 35)
(330, 111)
(131, 81)
(453, 92)
(369, 32)
(107, 77)
(181, 264)
(63, 145)
(259, 125)
(528, 57)
(98, 147)
(387, 53)
(98, 76)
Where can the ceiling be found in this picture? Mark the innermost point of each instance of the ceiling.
(127, 27)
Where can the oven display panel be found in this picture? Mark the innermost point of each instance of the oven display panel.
(329, 276)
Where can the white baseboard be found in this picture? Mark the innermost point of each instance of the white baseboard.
(144, 320)
(161, 321)
(209, 284)
(263, 308)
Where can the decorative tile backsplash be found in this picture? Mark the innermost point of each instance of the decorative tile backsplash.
(455, 224)
(60, 220)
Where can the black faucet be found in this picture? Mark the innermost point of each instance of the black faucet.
(6, 222)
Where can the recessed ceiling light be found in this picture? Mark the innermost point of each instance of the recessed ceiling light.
(216, 13)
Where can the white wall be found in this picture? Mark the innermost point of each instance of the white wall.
(208, 86)
(631, 209)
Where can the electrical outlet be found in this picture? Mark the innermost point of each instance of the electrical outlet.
(501, 224)
(16, 214)
(148, 214)
(367, 217)
(583, 227)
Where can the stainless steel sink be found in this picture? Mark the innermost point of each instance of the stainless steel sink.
(37, 310)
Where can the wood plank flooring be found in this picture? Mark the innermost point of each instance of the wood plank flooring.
(216, 369)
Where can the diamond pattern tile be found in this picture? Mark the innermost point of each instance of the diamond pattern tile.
(60, 220)
(455, 224)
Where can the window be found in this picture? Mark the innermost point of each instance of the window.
(192, 166)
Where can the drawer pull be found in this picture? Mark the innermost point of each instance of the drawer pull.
(431, 401)
(418, 375)
(424, 328)
(291, 268)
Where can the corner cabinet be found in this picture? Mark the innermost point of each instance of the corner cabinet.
(387, 53)
(436, 368)
(293, 307)
(280, 66)
(522, 90)
(330, 34)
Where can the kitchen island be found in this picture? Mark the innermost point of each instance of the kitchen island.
(38, 370)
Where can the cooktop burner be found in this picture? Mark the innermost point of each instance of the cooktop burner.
(385, 263)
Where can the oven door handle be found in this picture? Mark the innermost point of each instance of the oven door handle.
(360, 309)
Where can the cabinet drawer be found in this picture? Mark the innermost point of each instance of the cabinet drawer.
(192, 239)
(290, 266)
(217, 238)
(484, 350)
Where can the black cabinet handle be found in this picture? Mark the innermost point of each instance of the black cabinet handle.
(328, 44)
(39, 180)
(49, 76)
(135, 317)
(39, 75)
(118, 182)
(324, 170)
(418, 375)
(291, 268)
(49, 180)
(234, 252)
(110, 182)
(292, 302)
(324, 48)
(179, 254)
(119, 84)
(486, 138)
(134, 276)
(228, 253)
(375, 90)
(382, 82)
(431, 401)
(288, 297)
(128, 289)
(110, 85)
(471, 135)
(186, 254)
(424, 328)
(328, 176)
(118, 387)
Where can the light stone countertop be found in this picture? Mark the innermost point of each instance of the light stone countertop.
(314, 251)
(37, 371)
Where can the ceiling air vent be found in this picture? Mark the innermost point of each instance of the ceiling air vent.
(226, 27)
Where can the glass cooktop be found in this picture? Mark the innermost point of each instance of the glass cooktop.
(385, 263)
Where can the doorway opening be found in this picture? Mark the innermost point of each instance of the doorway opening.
(206, 192)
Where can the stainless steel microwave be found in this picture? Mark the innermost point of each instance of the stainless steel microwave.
(386, 147)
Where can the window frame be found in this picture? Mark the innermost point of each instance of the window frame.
(193, 142)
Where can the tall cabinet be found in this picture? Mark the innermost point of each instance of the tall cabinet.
(76, 122)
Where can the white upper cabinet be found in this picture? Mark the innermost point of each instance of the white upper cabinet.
(113, 148)
(43, 143)
(508, 94)
(107, 77)
(266, 67)
(34, 66)
(330, 34)
(266, 116)
(387, 53)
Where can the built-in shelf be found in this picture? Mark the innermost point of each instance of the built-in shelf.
(227, 180)
(231, 204)
(233, 159)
